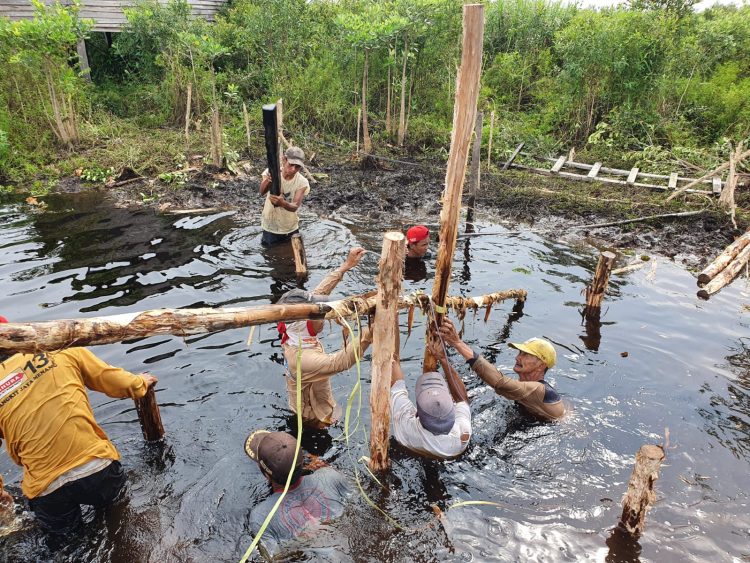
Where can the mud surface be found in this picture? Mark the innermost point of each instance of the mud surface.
(411, 193)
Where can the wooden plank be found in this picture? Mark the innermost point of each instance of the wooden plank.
(672, 181)
(594, 170)
(716, 184)
(512, 156)
(632, 176)
(558, 164)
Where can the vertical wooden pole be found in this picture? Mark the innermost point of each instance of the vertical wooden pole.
(83, 59)
(489, 144)
(149, 416)
(640, 494)
(384, 346)
(359, 122)
(300, 258)
(475, 169)
(595, 291)
(246, 119)
(188, 110)
(464, 110)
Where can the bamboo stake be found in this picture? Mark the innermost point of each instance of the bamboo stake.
(300, 258)
(726, 276)
(640, 494)
(489, 143)
(149, 416)
(58, 334)
(464, 110)
(247, 125)
(723, 259)
(713, 172)
(384, 346)
(359, 121)
(595, 291)
(475, 169)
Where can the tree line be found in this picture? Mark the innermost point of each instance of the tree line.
(652, 81)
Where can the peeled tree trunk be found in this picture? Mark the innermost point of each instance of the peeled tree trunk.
(365, 129)
(402, 113)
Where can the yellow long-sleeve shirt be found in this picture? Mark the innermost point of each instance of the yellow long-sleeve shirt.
(45, 415)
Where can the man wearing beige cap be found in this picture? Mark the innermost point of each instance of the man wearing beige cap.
(279, 219)
(535, 357)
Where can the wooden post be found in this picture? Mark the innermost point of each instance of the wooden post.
(640, 494)
(475, 168)
(246, 119)
(149, 416)
(384, 346)
(188, 109)
(489, 143)
(464, 109)
(359, 121)
(300, 258)
(83, 59)
(271, 132)
(595, 291)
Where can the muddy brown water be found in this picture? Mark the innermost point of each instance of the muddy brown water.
(556, 487)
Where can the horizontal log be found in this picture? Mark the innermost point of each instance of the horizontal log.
(723, 259)
(55, 335)
(727, 275)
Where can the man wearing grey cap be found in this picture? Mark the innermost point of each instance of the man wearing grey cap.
(279, 219)
(439, 426)
(531, 391)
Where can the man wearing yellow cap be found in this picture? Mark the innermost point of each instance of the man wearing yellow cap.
(535, 357)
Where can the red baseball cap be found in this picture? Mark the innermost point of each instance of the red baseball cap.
(417, 233)
(3, 319)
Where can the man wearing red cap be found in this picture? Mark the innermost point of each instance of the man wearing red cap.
(48, 426)
(417, 241)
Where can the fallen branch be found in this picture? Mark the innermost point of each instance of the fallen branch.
(713, 172)
(639, 219)
(55, 335)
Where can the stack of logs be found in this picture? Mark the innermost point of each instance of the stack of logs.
(725, 267)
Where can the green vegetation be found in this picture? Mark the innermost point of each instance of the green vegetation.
(648, 85)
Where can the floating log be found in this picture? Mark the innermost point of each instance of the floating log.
(149, 416)
(464, 110)
(475, 169)
(723, 259)
(726, 276)
(271, 132)
(300, 258)
(640, 494)
(595, 291)
(55, 335)
(384, 347)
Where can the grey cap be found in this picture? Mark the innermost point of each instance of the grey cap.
(297, 296)
(435, 408)
(295, 155)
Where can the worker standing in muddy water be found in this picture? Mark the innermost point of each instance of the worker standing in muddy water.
(531, 391)
(279, 219)
(317, 492)
(48, 426)
(439, 426)
(417, 250)
(319, 409)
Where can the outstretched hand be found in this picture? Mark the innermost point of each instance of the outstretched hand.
(354, 258)
(449, 333)
(149, 379)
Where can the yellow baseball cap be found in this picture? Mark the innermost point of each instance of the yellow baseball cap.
(540, 348)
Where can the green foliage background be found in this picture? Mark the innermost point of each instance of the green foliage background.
(647, 83)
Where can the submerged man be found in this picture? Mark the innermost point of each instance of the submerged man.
(48, 426)
(417, 249)
(279, 219)
(312, 498)
(319, 409)
(535, 357)
(439, 426)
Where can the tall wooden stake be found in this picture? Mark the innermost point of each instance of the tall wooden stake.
(640, 494)
(595, 292)
(300, 258)
(149, 416)
(489, 144)
(384, 346)
(188, 109)
(359, 122)
(475, 170)
(246, 119)
(464, 110)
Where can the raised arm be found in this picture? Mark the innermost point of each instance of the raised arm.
(330, 282)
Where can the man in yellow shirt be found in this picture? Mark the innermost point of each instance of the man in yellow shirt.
(49, 429)
(279, 219)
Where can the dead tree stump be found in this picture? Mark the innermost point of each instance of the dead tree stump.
(300, 258)
(595, 291)
(640, 494)
(149, 416)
